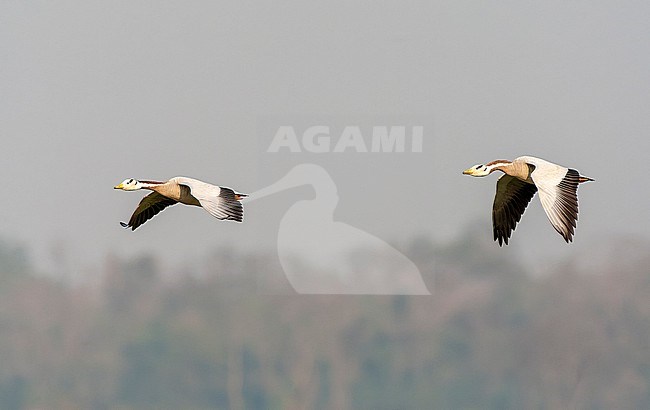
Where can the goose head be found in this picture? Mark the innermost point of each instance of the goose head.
(129, 185)
(479, 170)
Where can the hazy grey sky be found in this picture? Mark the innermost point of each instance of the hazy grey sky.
(95, 92)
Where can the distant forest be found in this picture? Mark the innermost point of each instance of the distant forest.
(491, 335)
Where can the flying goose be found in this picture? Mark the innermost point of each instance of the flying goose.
(220, 202)
(523, 177)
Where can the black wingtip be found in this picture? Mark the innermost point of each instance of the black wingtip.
(230, 205)
(124, 225)
(500, 238)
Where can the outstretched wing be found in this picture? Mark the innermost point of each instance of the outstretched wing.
(221, 202)
(510, 201)
(150, 206)
(559, 198)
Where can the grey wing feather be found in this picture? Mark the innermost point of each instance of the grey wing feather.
(565, 209)
(225, 206)
(221, 202)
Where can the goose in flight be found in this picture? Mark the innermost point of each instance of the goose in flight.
(523, 177)
(220, 202)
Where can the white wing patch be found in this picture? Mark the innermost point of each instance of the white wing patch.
(220, 202)
(558, 194)
(224, 206)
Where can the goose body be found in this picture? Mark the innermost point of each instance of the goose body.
(221, 202)
(521, 179)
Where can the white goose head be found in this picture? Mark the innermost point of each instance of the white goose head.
(478, 170)
(129, 185)
(482, 170)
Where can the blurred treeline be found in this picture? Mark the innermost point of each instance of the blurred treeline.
(233, 336)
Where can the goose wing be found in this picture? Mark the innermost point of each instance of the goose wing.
(510, 201)
(220, 202)
(148, 207)
(558, 188)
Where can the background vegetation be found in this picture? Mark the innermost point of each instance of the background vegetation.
(490, 336)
